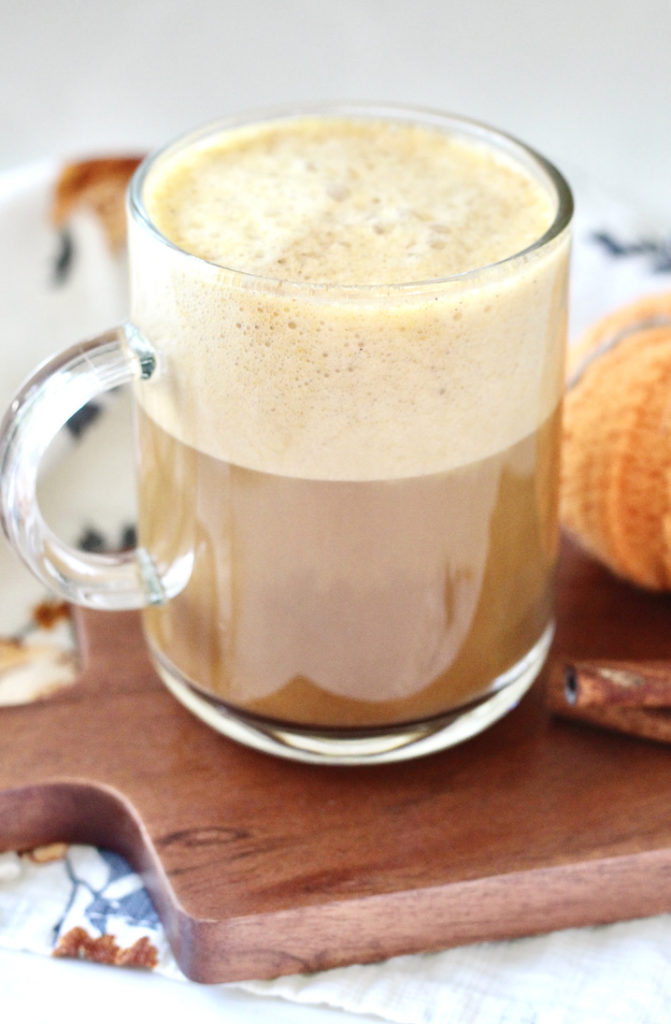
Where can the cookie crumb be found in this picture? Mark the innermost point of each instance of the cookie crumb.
(103, 949)
(48, 613)
(141, 954)
(46, 854)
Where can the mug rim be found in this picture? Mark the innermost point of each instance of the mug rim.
(528, 157)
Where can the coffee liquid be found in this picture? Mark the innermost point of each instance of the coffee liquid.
(361, 468)
(350, 603)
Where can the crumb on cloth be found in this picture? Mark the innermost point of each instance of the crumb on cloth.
(103, 949)
(47, 853)
(49, 613)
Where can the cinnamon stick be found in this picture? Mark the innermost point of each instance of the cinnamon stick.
(609, 710)
(633, 684)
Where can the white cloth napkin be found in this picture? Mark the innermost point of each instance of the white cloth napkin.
(617, 973)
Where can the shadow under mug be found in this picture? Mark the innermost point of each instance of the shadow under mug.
(345, 556)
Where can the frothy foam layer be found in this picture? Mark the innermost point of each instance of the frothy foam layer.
(347, 202)
(326, 382)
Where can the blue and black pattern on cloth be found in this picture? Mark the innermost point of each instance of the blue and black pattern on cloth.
(120, 895)
(658, 252)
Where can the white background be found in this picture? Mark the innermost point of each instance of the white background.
(585, 81)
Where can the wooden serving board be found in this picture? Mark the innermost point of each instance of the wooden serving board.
(260, 867)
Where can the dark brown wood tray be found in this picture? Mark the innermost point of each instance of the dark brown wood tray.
(261, 867)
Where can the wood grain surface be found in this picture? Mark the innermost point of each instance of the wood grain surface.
(260, 867)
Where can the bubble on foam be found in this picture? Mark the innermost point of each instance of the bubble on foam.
(360, 186)
(399, 383)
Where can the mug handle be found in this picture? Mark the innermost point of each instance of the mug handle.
(57, 390)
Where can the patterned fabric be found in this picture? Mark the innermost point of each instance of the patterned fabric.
(42, 901)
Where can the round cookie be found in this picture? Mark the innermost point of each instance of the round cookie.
(648, 311)
(616, 453)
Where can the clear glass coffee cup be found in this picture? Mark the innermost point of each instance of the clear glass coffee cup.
(347, 485)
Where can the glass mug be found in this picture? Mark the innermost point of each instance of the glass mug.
(347, 491)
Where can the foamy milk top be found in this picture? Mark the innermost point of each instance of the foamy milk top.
(347, 202)
(271, 355)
